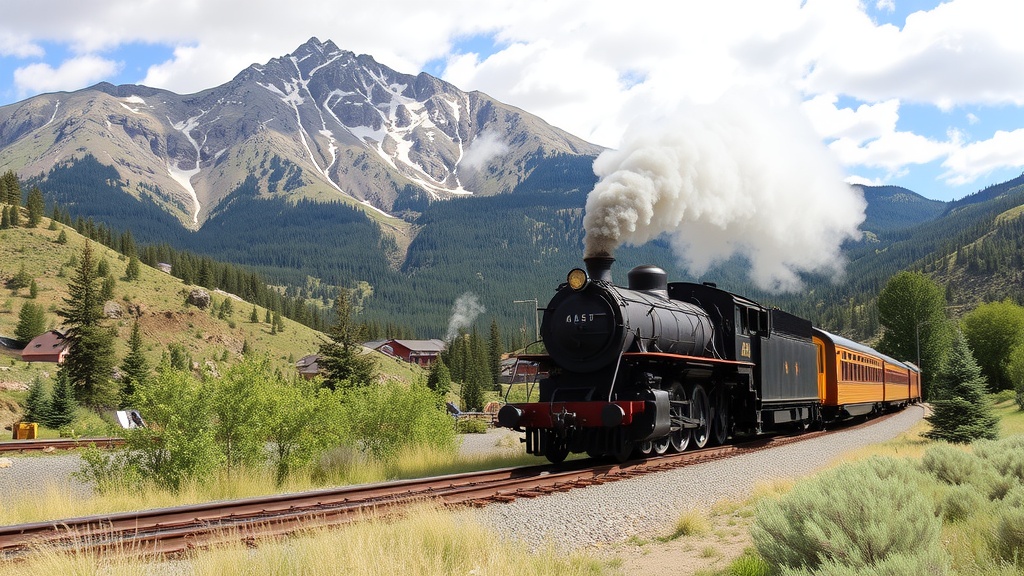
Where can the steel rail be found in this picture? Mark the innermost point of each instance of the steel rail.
(58, 444)
(176, 529)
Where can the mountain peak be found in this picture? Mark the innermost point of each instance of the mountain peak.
(320, 123)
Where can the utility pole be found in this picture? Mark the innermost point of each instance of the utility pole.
(536, 315)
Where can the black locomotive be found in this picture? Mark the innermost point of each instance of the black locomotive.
(657, 366)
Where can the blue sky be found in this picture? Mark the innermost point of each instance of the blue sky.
(926, 95)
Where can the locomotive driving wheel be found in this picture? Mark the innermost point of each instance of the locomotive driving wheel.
(679, 437)
(700, 410)
(661, 445)
(719, 417)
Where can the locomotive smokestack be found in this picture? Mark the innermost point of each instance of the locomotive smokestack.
(600, 267)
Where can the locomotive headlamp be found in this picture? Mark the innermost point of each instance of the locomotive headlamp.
(577, 279)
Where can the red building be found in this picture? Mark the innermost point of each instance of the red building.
(47, 347)
(420, 352)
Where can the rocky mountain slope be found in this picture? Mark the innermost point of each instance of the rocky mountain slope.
(319, 123)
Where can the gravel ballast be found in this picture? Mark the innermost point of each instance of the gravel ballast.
(581, 518)
(649, 505)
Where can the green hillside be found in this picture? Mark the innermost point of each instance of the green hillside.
(156, 298)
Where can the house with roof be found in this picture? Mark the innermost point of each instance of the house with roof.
(309, 366)
(49, 346)
(420, 352)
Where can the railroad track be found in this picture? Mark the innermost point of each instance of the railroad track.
(59, 444)
(174, 530)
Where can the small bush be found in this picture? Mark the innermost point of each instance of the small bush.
(959, 468)
(851, 517)
(1009, 535)
(381, 420)
(1015, 497)
(960, 503)
(691, 523)
(471, 426)
(748, 564)
(1006, 456)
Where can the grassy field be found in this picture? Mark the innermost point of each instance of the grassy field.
(158, 299)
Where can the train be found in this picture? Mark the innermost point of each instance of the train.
(655, 367)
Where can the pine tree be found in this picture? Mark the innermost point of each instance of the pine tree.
(36, 207)
(107, 288)
(62, 404)
(31, 322)
(131, 272)
(33, 289)
(15, 217)
(439, 380)
(134, 367)
(37, 404)
(90, 358)
(62, 238)
(10, 189)
(342, 356)
(494, 351)
(5, 218)
(962, 412)
(253, 316)
(21, 280)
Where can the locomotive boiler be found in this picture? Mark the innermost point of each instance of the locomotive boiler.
(655, 366)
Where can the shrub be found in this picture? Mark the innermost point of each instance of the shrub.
(690, 523)
(1014, 497)
(951, 465)
(748, 564)
(179, 444)
(960, 503)
(1009, 535)
(383, 419)
(471, 426)
(863, 516)
(1005, 455)
(959, 468)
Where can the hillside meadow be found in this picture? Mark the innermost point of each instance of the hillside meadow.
(157, 299)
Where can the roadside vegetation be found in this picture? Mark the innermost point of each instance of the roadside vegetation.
(908, 506)
(425, 542)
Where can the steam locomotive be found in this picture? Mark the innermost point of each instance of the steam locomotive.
(658, 366)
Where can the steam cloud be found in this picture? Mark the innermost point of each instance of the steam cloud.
(484, 148)
(736, 177)
(467, 307)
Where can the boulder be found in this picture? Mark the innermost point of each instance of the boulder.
(112, 309)
(199, 298)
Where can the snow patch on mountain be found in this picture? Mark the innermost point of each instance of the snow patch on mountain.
(184, 177)
(56, 107)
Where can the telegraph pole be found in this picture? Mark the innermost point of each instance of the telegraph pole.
(536, 315)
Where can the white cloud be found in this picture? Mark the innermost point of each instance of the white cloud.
(19, 45)
(70, 75)
(967, 163)
(592, 66)
(866, 122)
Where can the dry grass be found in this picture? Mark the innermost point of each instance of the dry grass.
(339, 467)
(426, 541)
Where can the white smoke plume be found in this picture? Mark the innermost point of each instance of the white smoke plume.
(736, 177)
(467, 307)
(487, 146)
